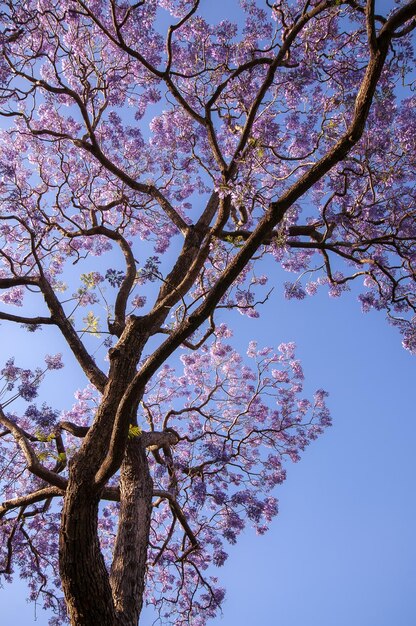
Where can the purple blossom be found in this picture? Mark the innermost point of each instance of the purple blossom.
(199, 491)
(86, 297)
(114, 277)
(139, 301)
(409, 336)
(219, 558)
(297, 369)
(150, 271)
(13, 296)
(239, 418)
(45, 417)
(10, 371)
(281, 376)
(28, 390)
(54, 362)
(294, 290)
(311, 288)
(368, 301)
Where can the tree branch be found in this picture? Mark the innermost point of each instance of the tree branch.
(74, 429)
(130, 551)
(159, 439)
(17, 281)
(398, 19)
(33, 464)
(36, 496)
(370, 25)
(146, 189)
(273, 216)
(26, 320)
(90, 368)
(177, 511)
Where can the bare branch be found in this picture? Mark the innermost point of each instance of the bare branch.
(26, 320)
(6, 283)
(155, 439)
(36, 496)
(397, 19)
(370, 24)
(90, 368)
(177, 511)
(74, 429)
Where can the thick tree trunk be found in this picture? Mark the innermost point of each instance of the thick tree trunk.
(93, 597)
(130, 554)
(83, 572)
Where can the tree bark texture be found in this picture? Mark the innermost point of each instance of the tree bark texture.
(83, 572)
(130, 553)
(93, 596)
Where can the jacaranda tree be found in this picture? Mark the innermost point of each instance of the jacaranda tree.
(151, 163)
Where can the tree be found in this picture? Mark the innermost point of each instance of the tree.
(183, 155)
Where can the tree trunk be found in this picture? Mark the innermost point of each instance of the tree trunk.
(128, 569)
(93, 597)
(85, 579)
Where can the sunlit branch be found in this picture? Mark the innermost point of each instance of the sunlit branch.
(39, 495)
(371, 29)
(33, 464)
(74, 429)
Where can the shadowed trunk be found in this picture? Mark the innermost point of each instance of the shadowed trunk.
(93, 597)
(130, 553)
(85, 579)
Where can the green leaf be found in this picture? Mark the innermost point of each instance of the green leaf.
(236, 241)
(280, 240)
(134, 431)
(40, 436)
(60, 286)
(92, 324)
(88, 280)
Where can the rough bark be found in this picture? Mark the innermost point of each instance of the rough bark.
(84, 576)
(130, 553)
